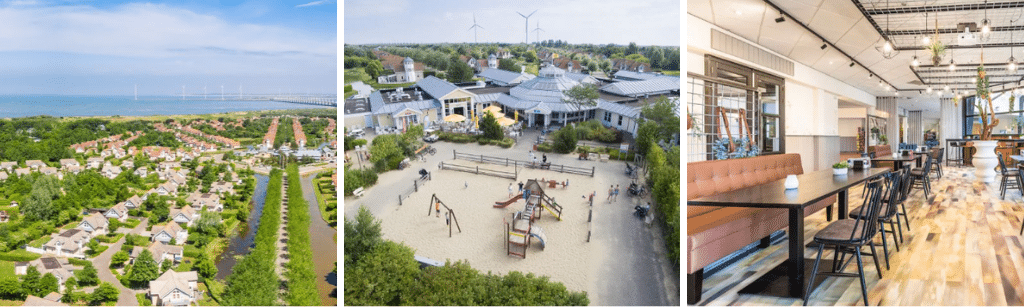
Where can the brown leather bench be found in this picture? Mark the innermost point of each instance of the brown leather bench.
(880, 151)
(716, 232)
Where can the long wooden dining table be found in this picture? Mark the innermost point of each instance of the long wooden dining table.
(813, 187)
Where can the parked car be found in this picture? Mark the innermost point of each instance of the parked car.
(430, 138)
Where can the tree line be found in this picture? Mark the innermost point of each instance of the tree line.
(301, 277)
(253, 281)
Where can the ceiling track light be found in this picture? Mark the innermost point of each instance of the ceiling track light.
(852, 63)
(824, 45)
(780, 19)
(871, 76)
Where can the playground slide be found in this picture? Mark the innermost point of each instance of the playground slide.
(499, 204)
(538, 233)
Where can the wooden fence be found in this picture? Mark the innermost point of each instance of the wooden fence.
(561, 168)
(479, 171)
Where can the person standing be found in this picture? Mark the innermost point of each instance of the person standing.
(510, 190)
(545, 160)
(520, 187)
(437, 207)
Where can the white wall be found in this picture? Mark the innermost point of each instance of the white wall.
(848, 126)
(861, 113)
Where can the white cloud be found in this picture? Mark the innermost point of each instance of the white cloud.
(315, 3)
(150, 31)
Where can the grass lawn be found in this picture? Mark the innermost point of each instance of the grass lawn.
(670, 72)
(20, 255)
(97, 252)
(213, 290)
(38, 243)
(7, 269)
(357, 74)
(11, 303)
(322, 200)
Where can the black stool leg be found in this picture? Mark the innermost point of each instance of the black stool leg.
(814, 274)
(885, 247)
(863, 284)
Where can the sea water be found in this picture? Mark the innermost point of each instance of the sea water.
(64, 106)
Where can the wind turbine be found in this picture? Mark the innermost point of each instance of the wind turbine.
(538, 29)
(527, 24)
(474, 29)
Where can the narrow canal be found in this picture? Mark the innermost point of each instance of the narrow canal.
(325, 248)
(241, 242)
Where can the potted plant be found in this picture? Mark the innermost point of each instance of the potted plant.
(840, 168)
(985, 159)
(937, 50)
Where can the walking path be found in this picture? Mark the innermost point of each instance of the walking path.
(282, 239)
(102, 264)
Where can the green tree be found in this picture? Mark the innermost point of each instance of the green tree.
(459, 72)
(166, 266)
(383, 149)
(118, 259)
(31, 283)
(606, 65)
(38, 206)
(646, 136)
(489, 125)
(94, 247)
(206, 267)
(638, 58)
(10, 289)
(565, 139)
(87, 276)
(104, 293)
(509, 65)
(592, 66)
(381, 276)
(374, 69)
(531, 56)
(47, 285)
(361, 235)
(632, 48)
(581, 95)
(69, 291)
(144, 270)
(657, 57)
(665, 113)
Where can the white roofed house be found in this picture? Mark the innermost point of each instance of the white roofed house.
(59, 267)
(9, 166)
(210, 201)
(184, 215)
(94, 162)
(110, 171)
(174, 289)
(66, 163)
(160, 252)
(167, 188)
(118, 211)
(95, 224)
(22, 171)
(142, 171)
(223, 187)
(128, 164)
(52, 171)
(34, 164)
(3, 175)
(177, 178)
(171, 230)
(505, 78)
(133, 202)
(70, 243)
(4, 217)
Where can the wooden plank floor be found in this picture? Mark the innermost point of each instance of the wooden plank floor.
(964, 248)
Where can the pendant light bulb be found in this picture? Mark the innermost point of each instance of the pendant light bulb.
(887, 46)
(915, 62)
(929, 90)
(926, 40)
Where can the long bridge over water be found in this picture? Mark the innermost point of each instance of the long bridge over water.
(319, 100)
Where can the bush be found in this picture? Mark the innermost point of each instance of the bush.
(544, 147)
(359, 142)
(456, 137)
(565, 140)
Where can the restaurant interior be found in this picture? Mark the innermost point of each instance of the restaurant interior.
(854, 152)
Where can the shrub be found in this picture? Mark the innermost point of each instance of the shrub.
(565, 140)
(359, 142)
(19, 255)
(544, 147)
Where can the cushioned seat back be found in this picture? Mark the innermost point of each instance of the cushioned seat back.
(880, 150)
(715, 177)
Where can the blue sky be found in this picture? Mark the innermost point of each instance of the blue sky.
(107, 47)
(577, 21)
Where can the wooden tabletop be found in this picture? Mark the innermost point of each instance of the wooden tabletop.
(902, 158)
(813, 187)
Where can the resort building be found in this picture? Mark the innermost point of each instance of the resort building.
(59, 267)
(165, 233)
(95, 224)
(398, 69)
(536, 101)
(70, 243)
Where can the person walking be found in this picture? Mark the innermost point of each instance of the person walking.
(616, 192)
(534, 160)
(510, 190)
(545, 160)
(520, 187)
(611, 192)
(467, 184)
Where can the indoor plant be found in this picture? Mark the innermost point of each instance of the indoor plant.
(840, 168)
(985, 159)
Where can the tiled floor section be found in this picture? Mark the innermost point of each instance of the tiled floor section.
(964, 248)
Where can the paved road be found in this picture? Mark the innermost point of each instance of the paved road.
(102, 264)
